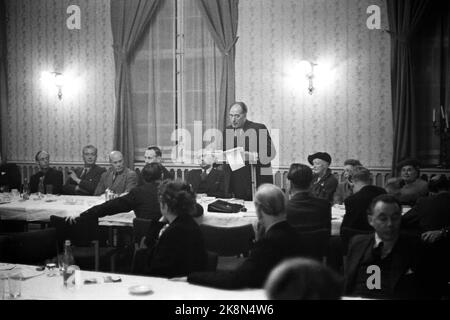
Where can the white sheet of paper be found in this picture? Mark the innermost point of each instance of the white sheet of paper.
(234, 158)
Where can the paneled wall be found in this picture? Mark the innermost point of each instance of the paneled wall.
(349, 114)
(39, 40)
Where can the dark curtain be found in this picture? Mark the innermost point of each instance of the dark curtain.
(129, 20)
(431, 62)
(3, 75)
(404, 16)
(221, 17)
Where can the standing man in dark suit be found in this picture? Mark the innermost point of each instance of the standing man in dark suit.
(9, 176)
(154, 154)
(207, 179)
(83, 181)
(276, 240)
(356, 205)
(303, 209)
(253, 138)
(387, 264)
(52, 179)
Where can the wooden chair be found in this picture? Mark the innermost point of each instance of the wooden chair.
(85, 240)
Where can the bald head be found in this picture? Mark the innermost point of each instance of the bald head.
(116, 160)
(270, 200)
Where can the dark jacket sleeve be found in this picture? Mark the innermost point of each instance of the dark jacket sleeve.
(34, 181)
(118, 205)
(89, 185)
(58, 182)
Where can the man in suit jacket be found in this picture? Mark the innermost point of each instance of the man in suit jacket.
(208, 179)
(252, 137)
(143, 199)
(51, 178)
(83, 181)
(324, 182)
(385, 264)
(117, 179)
(345, 188)
(276, 240)
(9, 175)
(154, 154)
(303, 209)
(175, 243)
(356, 205)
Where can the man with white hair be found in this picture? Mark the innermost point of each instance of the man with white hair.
(118, 178)
(276, 240)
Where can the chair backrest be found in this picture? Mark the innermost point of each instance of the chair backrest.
(33, 247)
(314, 242)
(228, 241)
(81, 233)
(140, 228)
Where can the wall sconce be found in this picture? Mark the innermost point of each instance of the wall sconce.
(54, 79)
(307, 68)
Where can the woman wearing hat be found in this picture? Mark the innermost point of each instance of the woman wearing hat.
(411, 187)
(324, 182)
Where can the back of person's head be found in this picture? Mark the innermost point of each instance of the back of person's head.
(300, 176)
(152, 172)
(438, 183)
(157, 150)
(303, 279)
(352, 162)
(178, 196)
(385, 198)
(361, 174)
(270, 199)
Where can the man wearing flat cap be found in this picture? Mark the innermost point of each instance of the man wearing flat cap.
(409, 182)
(324, 182)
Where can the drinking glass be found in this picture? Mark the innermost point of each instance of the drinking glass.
(15, 283)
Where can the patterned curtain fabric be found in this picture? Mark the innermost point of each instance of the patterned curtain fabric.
(3, 75)
(222, 19)
(404, 16)
(129, 19)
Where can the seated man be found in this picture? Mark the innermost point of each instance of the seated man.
(356, 205)
(275, 241)
(207, 179)
(303, 208)
(143, 199)
(345, 188)
(387, 264)
(51, 180)
(83, 181)
(175, 244)
(324, 182)
(9, 176)
(117, 179)
(153, 154)
(411, 186)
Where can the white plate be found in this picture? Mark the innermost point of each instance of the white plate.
(140, 289)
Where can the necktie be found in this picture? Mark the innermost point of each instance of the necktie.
(203, 175)
(235, 138)
(83, 173)
(164, 228)
(378, 251)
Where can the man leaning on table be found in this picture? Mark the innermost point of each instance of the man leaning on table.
(276, 240)
(52, 179)
(83, 181)
(118, 178)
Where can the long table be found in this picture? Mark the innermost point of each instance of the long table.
(40, 286)
(37, 209)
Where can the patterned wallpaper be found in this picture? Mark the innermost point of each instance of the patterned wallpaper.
(349, 115)
(38, 40)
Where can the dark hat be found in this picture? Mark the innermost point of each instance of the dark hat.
(319, 155)
(408, 162)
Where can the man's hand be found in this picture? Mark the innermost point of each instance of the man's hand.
(71, 219)
(432, 236)
(74, 177)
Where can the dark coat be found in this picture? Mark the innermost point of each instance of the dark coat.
(305, 210)
(429, 213)
(239, 182)
(166, 175)
(411, 275)
(10, 176)
(280, 242)
(88, 183)
(179, 251)
(143, 200)
(325, 187)
(52, 176)
(214, 182)
(356, 207)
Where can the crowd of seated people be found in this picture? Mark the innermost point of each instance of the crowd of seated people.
(373, 231)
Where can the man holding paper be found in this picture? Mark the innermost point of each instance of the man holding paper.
(253, 138)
